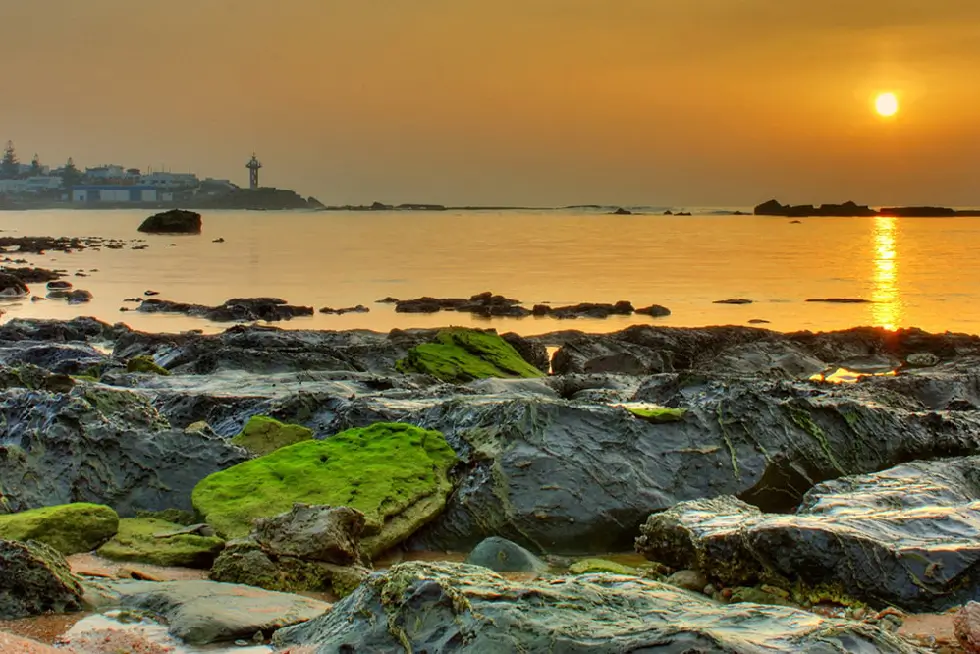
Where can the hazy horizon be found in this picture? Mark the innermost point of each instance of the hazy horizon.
(538, 102)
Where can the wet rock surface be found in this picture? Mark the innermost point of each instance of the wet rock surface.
(908, 537)
(460, 608)
(203, 612)
(501, 555)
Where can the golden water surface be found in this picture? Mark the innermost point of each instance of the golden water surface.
(915, 271)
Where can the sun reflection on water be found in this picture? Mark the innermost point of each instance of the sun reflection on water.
(886, 310)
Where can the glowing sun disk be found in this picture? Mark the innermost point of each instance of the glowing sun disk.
(886, 104)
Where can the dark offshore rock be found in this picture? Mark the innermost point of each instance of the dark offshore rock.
(485, 304)
(35, 579)
(585, 310)
(235, 310)
(360, 308)
(847, 209)
(501, 555)
(175, 221)
(100, 445)
(35, 275)
(654, 310)
(908, 537)
(566, 478)
(423, 607)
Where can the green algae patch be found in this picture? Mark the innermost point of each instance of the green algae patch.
(68, 528)
(138, 541)
(145, 364)
(264, 435)
(588, 566)
(396, 474)
(461, 355)
(658, 415)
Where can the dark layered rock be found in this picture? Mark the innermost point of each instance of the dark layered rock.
(569, 478)
(100, 445)
(175, 221)
(35, 580)
(906, 537)
(235, 310)
(485, 304)
(450, 607)
(314, 533)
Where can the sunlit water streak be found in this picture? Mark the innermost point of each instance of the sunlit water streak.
(917, 271)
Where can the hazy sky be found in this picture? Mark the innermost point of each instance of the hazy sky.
(675, 102)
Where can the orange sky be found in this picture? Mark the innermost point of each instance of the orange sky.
(673, 102)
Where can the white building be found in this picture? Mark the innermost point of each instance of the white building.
(13, 185)
(170, 181)
(105, 173)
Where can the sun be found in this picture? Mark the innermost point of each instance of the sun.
(886, 104)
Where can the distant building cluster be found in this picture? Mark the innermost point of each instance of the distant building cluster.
(110, 183)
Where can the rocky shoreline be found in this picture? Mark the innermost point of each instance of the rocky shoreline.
(772, 510)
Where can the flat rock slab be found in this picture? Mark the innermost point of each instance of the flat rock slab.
(465, 609)
(203, 612)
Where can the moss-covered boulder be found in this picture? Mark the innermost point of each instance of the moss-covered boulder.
(145, 364)
(396, 474)
(68, 528)
(461, 355)
(263, 435)
(157, 542)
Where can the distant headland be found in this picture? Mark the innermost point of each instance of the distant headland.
(851, 209)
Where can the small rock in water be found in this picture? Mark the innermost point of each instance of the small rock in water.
(218, 240)
(78, 297)
(151, 293)
(736, 300)
(758, 321)
(58, 285)
(501, 555)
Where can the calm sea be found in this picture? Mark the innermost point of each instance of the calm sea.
(917, 272)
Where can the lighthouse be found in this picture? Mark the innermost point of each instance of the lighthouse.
(253, 172)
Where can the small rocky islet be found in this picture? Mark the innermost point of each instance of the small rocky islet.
(767, 510)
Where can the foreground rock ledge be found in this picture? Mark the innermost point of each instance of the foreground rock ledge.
(908, 537)
(418, 607)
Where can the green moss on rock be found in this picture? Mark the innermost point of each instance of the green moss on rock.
(144, 363)
(263, 435)
(137, 541)
(396, 474)
(460, 355)
(658, 415)
(68, 528)
(587, 566)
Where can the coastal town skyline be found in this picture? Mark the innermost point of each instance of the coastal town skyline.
(540, 103)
